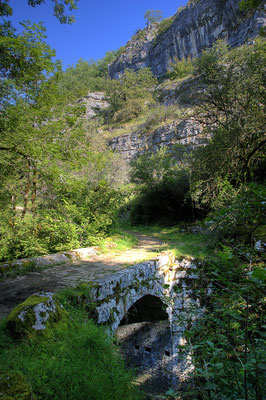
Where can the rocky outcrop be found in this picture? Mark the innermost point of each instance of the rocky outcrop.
(94, 102)
(41, 313)
(178, 136)
(194, 28)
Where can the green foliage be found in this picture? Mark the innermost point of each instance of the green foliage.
(158, 115)
(238, 212)
(152, 16)
(161, 188)
(232, 105)
(228, 344)
(85, 77)
(129, 96)
(181, 68)
(25, 62)
(56, 191)
(78, 363)
(140, 34)
(60, 7)
(249, 4)
(163, 26)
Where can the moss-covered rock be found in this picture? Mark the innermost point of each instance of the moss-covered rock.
(40, 314)
(14, 386)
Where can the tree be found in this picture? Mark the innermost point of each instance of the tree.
(161, 188)
(129, 95)
(232, 108)
(152, 16)
(60, 9)
(249, 4)
(56, 192)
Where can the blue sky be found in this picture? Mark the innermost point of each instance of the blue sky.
(101, 25)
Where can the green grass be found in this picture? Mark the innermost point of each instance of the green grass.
(183, 244)
(118, 242)
(79, 363)
(122, 128)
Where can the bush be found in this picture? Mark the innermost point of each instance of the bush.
(238, 212)
(19, 240)
(162, 189)
(79, 363)
(228, 344)
(131, 109)
(129, 95)
(159, 114)
(181, 68)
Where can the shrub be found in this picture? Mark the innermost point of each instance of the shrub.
(238, 212)
(228, 343)
(164, 25)
(181, 68)
(162, 189)
(79, 363)
(160, 114)
(131, 109)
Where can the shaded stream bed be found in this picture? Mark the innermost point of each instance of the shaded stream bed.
(144, 337)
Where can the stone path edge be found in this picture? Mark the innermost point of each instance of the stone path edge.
(48, 260)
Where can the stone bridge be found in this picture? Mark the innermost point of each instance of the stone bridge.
(148, 307)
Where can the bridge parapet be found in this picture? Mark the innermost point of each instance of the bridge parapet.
(175, 283)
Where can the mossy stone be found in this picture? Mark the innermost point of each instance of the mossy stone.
(40, 314)
(14, 386)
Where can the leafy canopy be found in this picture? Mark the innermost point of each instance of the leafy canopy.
(232, 106)
(152, 16)
(60, 8)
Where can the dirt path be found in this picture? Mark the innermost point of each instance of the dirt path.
(14, 291)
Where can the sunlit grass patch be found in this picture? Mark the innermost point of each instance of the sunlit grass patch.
(117, 243)
(118, 129)
(182, 243)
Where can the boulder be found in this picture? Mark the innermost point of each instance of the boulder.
(40, 314)
(14, 386)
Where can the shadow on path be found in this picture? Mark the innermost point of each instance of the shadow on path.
(16, 290)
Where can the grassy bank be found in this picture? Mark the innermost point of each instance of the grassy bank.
(77, 363)
(182, 242)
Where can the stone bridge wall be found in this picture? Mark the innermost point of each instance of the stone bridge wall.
(174, 282)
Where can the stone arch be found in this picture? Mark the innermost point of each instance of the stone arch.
(148, 308)
(144, 336)
(129, 298)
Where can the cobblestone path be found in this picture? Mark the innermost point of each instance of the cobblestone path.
(14, 291)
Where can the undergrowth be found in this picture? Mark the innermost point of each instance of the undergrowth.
(79, 363)
(118, 242)
(181, 242)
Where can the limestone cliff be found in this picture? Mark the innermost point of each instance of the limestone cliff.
(196, 27)
(94, 102)
(178, 136)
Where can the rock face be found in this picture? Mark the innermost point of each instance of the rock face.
(41, 313)
(94, 102)
(195, 28)
(183, 134)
